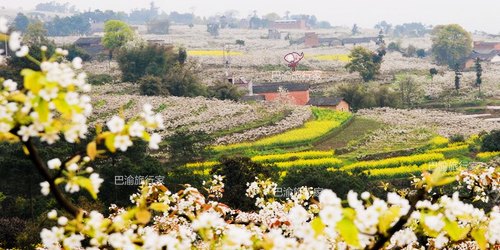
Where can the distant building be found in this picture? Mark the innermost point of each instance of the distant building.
(486, 47)
(358, 40)
(289, 24)
(298, 92)
(491, 57)
(335, 103)
(311, 39)
(92, 45)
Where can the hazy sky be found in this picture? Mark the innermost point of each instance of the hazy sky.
(473, 15)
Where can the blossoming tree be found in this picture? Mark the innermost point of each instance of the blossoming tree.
(51, 105)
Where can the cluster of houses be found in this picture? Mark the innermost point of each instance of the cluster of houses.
(297, 93)
(485, 51)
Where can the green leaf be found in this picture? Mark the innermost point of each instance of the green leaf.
(387, 218)
(33, 80)
(455, 232)
(43, 110)
(92, 150)
(87, 184)
(318, 226)
(479, 235)
(4, 37)
(348, 231)
(110, 143)
(61, 105)
(159, 207)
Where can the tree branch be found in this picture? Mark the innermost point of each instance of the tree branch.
(43, 170)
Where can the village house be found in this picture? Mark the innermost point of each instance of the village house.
(492, 57)
(358, 40)
(298, 92)
(485, 51)
(335, 103)
(486, 47)
(92, 45)
(289, 24)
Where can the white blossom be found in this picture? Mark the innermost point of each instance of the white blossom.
(23, 51)
(96, 182)
(77, 63)
(9, 85)
(45, 188)
(136, 129)
(115, 124)
(15, 41)
(122, 142)
(62, 221)
(154, 141)
(52, 214)
(54, 163)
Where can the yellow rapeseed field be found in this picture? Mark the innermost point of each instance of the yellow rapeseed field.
(293, 156)
(323, 162)
(326, 121)
(485, 156)
(212, 53)
(451, 149)
(404, 171)
(395, 161)
(332, 57)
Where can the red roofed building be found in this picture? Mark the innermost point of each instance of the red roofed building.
(298, 92)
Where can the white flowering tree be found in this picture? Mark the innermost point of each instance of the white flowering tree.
(51, 105)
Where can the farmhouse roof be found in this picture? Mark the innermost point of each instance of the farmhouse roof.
(484, 56)
(325, 101)
(88, 40)
(356, 40)
(249, 98)
(273, 87)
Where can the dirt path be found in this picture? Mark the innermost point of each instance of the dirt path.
(358, 128)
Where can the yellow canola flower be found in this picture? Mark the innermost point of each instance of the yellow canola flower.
(326, 121)
(485, 156)
(439, 141)
(206, 164)
(213, 53)
(332, 57)
(323, 162)
(451, 165)
(396, 161)
(451, 149)
(293, 156)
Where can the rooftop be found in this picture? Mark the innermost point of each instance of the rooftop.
(325, 101)
(273, 87)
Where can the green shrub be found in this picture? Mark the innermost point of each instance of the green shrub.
(238, 171)
(136, 62)
(339, 182)
(151, 86)
(491, 141)
(99, 79)
(225, 91)
(181, 81)
(457, 138)
(75, 51)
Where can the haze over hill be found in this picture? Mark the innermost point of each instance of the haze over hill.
(477, 15)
